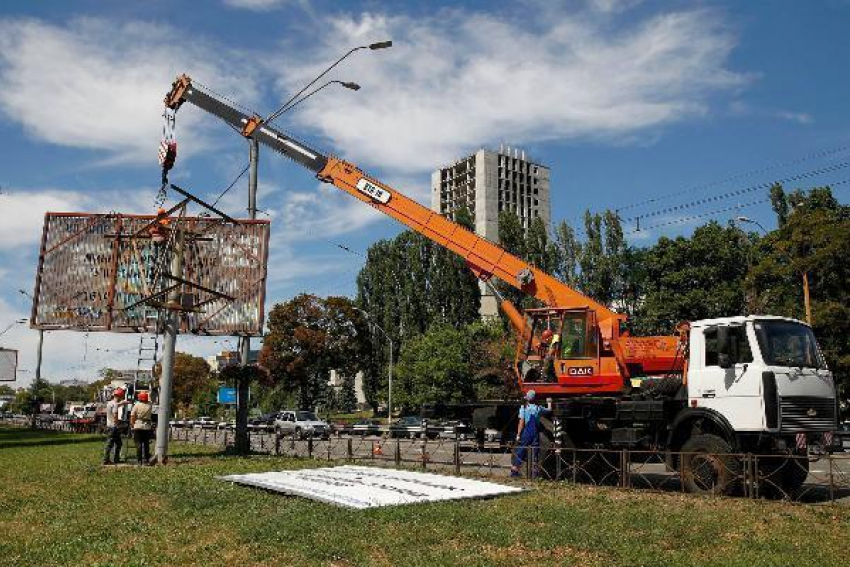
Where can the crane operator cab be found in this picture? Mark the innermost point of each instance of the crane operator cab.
(563, 346)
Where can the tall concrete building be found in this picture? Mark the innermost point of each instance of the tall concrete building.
(487, 183)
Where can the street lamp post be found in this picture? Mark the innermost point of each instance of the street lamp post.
(390, 382)
(805, 274)
(12, 324)
(283, 108)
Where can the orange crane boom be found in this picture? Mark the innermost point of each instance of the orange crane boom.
(593, 355)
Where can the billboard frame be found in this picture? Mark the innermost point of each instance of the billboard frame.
(15, 353)
(248, 277)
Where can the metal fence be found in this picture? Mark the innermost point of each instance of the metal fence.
(739, 474)
(826, 479)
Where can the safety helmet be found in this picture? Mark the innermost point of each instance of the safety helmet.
(546, 335)
(143, 396)
(118, 392)
(530, 395)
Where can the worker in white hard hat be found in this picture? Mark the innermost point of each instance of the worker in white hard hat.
(528, 433)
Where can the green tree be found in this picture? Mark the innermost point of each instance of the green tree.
(191, 377)
(347, 398)
(310, 336)
(592, 280)
(693, 278)
(407, 285)
(813, 239)
(434, 367)
(568, 252)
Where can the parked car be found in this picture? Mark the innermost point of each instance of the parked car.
(205, 422)
(227, 425)
(365, 427)
(454, 429)
(301, 424)
(413, 427)
(265, 421)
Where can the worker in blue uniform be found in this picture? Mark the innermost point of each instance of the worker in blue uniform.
(528, 434)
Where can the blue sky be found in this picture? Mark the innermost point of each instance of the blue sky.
(625, 100)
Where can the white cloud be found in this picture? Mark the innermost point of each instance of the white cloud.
(24, 209)
(461, 79)
(798, 117)
(255, 5)
(98, 84)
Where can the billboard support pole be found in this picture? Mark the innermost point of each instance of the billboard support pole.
(38, 355)
(166, 379)
(242, 442)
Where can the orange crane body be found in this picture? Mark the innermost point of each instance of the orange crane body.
(593, 354)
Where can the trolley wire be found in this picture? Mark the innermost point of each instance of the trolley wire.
(709, 185)
(716, 211)
(730, 194)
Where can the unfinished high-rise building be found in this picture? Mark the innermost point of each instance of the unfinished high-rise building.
(487, 183)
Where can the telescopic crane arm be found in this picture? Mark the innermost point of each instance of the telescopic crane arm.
(483, 257)
(590, 366)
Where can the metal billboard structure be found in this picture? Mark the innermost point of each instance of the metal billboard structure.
(8, 365)
(109, 272)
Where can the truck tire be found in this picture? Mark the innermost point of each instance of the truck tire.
(782, 477)
(707, 466)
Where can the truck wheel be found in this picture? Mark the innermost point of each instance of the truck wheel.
(782, 477)
(707, 466)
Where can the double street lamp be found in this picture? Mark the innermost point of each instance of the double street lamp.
(12, 324)
(805, 274)
(390, 384)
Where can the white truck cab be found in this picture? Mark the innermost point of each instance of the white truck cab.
(764, 375)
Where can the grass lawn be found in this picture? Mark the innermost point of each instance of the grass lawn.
(58, 506)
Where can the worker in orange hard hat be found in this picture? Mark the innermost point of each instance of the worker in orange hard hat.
(114, 427)
(141, 423)
(550, 344)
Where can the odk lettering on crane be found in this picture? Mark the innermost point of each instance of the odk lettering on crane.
(579, 370)
(375, 192)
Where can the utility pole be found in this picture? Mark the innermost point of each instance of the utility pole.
(38, 355)
(242, 388)
(40, 337)
(172, 322)
(805, 274)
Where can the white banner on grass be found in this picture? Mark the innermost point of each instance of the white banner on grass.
(371, 487)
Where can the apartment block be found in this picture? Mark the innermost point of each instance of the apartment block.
(487, 183)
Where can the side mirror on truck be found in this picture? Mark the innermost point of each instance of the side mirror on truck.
(724, 347)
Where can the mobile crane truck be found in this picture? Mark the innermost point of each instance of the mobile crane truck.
(717, 388)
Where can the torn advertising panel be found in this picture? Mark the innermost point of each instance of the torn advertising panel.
(107, 272)
(361, 487)
(8, 365)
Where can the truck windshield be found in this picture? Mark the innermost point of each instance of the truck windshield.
(307, 416)
(784, 343)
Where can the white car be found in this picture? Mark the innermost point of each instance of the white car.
(301, 424)
(205, 422)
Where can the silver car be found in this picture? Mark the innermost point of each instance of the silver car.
(301, 424)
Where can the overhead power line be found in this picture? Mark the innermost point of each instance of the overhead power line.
(738, 176)
(683, 220)
(729, 194)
